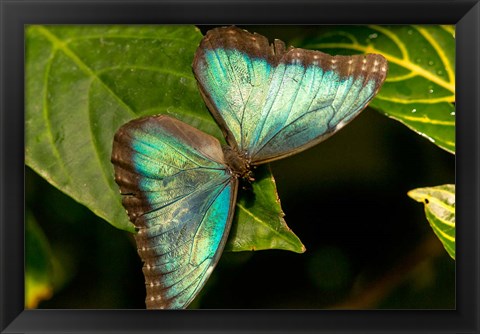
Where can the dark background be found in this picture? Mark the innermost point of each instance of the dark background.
(368, 244)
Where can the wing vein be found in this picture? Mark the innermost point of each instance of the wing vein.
(265, 117)
(279, 129)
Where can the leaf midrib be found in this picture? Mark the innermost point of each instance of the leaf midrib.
(265, 224)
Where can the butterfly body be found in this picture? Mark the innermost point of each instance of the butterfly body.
(239, 163)
(179, 185)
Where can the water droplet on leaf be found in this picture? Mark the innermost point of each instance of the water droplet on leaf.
(414, 110)
(430, 63)
(372, 36)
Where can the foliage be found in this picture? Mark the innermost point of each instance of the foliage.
(259, 218)
(419, 90)
(420, 87)
(38, 265)
(84, 82)
(440, 211)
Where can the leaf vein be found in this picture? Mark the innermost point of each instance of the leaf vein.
(264, 224)
(60, 45)
(68, 52)
(425, 119)
(402, 77)
(100, 36)
(408, 65)
(395, 39)
(441, 233)
(440, 52)
(46, 114)
(146, 68)
(409, 101)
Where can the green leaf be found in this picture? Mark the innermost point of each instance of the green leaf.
(260, 219)
(84, 82)
(38, 264)
(419, 90)
(440, 211)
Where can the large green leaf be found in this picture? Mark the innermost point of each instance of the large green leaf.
(84, 82)
(419, 90)
(440, 211)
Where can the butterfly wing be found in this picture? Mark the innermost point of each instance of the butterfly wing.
(273, 101)
(180, 196)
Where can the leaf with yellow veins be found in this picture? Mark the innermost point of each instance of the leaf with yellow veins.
(440, 211)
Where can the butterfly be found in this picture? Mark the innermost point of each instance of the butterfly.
(179, 184)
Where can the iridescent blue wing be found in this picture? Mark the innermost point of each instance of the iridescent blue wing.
(273, 102)
(180, 196)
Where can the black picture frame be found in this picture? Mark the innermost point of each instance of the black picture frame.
(15, 14)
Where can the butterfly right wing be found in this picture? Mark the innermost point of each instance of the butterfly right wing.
(180, 196)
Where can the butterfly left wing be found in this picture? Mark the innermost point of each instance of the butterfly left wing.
(180, 196)
(273, 102)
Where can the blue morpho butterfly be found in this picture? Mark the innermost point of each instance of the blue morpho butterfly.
(179, 185)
